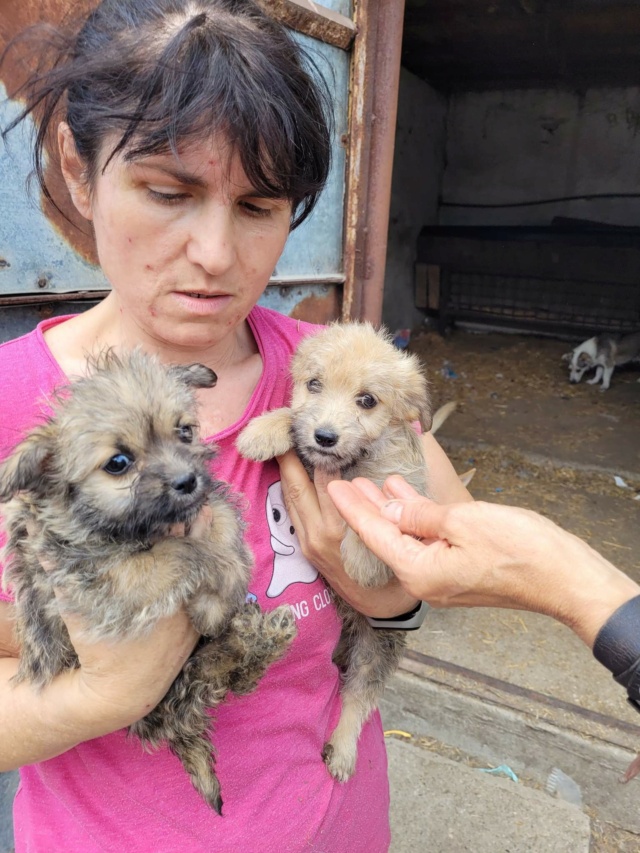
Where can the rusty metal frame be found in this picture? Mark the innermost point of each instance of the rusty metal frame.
(313, 20)
(375, 78)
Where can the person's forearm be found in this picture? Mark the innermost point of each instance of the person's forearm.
(40, 724)
(595, 589)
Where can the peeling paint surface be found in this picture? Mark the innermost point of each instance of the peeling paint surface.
(316, 247)
(315, 303)
(32, 248)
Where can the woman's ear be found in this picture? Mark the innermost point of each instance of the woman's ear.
(74, 171)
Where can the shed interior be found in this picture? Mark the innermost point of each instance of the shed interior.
(516, 193)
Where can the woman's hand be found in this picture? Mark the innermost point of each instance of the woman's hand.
(119, 682)
(320, 530)
(474, 554)
(116, 683)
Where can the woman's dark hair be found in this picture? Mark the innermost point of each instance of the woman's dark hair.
(157, 73)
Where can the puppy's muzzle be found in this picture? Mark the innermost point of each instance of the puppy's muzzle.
(185, 484)
(325, 438)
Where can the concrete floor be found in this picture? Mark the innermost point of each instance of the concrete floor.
(536, 441)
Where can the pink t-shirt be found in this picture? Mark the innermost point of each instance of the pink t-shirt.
(108, 795)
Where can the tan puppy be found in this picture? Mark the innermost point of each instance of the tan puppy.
(354, 404)
(104, 494)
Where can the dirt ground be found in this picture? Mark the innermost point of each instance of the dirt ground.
(536, 441)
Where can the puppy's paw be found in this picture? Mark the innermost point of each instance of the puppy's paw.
(361, 565)
(259, 639)
(280, 624)
(266, 436)
(341, 763)
(278, 632)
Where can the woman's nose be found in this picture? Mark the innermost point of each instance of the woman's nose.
(211, 243)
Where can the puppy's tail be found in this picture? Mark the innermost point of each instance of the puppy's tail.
(181, 720)
(442, 414)
(467, 477)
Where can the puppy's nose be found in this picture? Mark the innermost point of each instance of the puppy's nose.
(185, 483)
(325, 438)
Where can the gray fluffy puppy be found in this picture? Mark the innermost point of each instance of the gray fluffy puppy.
(104, 494)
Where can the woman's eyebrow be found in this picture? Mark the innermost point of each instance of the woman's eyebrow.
(178, 174)
(189, 179)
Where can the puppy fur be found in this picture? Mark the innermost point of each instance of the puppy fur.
(104, 494)
(355, 399)
(603, 353)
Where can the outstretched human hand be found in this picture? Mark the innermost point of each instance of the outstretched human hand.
(476, 554)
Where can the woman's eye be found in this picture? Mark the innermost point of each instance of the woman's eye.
(314, 386)
(167, 197)
(366, 401)
(185, 433)
(255, 209)
(118, 464)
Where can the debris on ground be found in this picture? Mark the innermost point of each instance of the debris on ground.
(562, 786)
(501, 770)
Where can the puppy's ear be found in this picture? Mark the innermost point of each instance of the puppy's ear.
(24, 469)
(567, 356)
(195, 375)
(412, 393)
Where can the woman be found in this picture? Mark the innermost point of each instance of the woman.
(193, 139)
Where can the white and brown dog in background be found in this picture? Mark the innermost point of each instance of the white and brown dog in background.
(603, 353)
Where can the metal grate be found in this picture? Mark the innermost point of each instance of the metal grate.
(545, 304)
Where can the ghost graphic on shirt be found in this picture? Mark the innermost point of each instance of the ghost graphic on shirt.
(289, 564)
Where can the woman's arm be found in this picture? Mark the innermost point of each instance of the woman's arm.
(320, 527)
(443, 483)
(116, 684)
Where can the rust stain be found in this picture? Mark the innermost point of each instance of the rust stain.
(313, 20)
(19, 63)
(318, 309)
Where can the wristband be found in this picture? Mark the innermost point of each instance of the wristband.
(410, 621)
(617, 647)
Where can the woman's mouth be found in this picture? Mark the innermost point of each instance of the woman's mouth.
(197, 302)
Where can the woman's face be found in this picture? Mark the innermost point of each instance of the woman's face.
(187, 244)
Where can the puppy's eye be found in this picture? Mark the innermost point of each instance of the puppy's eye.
(118, 464)
(185, 433)
(314, 386)
(366, 401)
